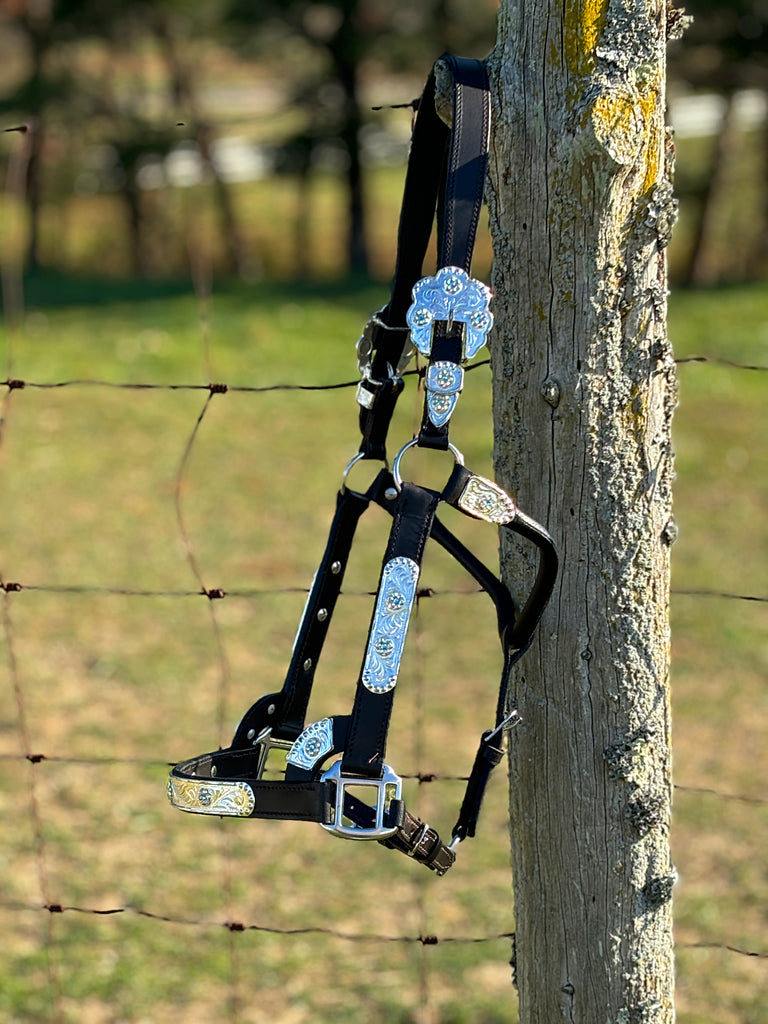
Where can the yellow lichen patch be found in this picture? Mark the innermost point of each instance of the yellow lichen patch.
(648, 103)
(626, 126)
(582, 25)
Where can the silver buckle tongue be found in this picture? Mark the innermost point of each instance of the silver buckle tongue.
(265, 744)
(387, 788)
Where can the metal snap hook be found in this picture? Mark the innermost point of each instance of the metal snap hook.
(398, 480)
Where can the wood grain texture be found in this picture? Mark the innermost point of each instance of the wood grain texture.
(584, 389)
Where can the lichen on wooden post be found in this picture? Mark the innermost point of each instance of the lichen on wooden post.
(584, 388)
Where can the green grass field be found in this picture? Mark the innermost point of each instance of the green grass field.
(110, 687)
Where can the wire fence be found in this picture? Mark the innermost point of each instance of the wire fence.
(43, 850)
(233, 989)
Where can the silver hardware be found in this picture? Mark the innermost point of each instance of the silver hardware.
(365, 397)
(419, 839)
(265, 744)
(458, 457)
(314, 743)
(214, 771)
(444, 382)
(322, 615)
(271, 709)
(348, 468)
(451, 295)
(336, 568)
(307, 664)
(365, 347)
(387, 789)
(391, 493)
(397, 594)
(455, 842)
(251, 733)
(485, 500)
(512, 719)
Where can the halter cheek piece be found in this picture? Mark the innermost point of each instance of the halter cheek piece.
(335, 769)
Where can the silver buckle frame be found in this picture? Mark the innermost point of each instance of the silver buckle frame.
(264, 744)
(387, 788)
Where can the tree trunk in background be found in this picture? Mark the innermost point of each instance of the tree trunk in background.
(704, 268)
(344, 49)
(184, 90)
(584, 390)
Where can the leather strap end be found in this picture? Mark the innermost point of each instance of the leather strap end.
(486, 759)
(422, 843)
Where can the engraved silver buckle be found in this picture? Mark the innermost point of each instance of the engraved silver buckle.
(451, 296)
(388, 788)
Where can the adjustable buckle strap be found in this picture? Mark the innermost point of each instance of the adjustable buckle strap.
(423, 844)
(388, 821)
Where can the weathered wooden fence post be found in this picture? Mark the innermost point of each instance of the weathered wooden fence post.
(581, 210)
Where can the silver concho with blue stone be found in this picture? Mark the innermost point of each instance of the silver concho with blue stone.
(443, 383)
(312, 745)
(397, 594)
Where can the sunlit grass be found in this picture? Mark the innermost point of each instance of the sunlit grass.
(89, 476)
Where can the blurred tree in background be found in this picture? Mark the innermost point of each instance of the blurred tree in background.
(149, 130)
(723, 54)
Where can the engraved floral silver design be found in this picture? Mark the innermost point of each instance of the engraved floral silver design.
(443, 383)
(485, 500)
(451, 295)
(207, 796)
(312, 745)
(397, 594)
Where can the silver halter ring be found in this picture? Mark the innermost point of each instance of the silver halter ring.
(398, 480)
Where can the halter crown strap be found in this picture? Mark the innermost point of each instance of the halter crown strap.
(446, 172)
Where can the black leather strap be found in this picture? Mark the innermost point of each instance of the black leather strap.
(446, 172)
(294, 801)
(285, 712)
(416, 839)
(371, 711)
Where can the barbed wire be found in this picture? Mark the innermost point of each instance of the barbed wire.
(252, 593)
(423, 939)
(721, 361)
(15, 383)
(422, 777)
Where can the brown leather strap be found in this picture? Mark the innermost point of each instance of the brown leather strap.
(422, 843)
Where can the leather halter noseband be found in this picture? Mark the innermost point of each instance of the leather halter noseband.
(335, 768)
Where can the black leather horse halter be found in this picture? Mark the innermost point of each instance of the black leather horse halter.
(335, 769)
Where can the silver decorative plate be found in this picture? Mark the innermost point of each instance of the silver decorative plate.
(207, 796)
(397, 594)
(485, 500)
(312, 745)
(444, 382)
